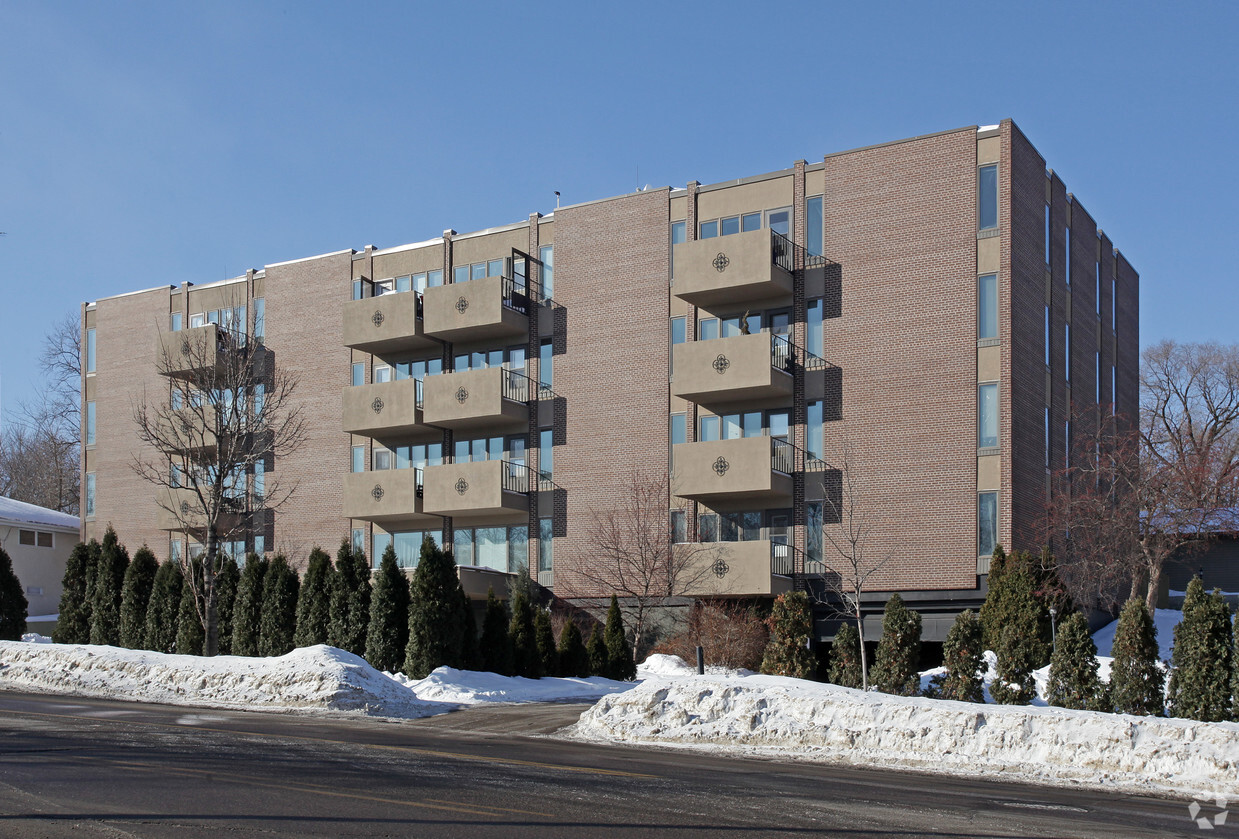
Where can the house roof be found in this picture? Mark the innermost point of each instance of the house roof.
(19, 512)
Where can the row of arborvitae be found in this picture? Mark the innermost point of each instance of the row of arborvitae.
(265, 609)
(1015, 623)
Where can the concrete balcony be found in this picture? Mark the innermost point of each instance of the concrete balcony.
(180, 510)
(740, 268)
(386, 324)
(477, 310)
(760, 568)
(386, 410)
(748, 468)
(390, 497)
(187, 430)
(191, 351)
(493, 398)
(492, 490)
(742, 368)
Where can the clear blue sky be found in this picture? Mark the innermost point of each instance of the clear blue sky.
(151, 143)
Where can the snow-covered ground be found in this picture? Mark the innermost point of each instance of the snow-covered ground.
(790, 718)
(310, 679)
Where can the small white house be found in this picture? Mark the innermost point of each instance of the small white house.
(39, 542)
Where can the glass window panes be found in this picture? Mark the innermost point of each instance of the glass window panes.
(460, 274)
(987, 306)
(678, 335)
(813, 340)
(1067, 351)
(679, 429)
(434, 278)
(752, 424)
(815, 439)
(709, 229)
(750, 221)
(546, 452)
(90, 493)
(987, 415)
(1047, 336)
(518, 549)
(546, 533)
(90, 423)
(90, 350)
(382, 458)
(729, 226)
(679, 526)
(731, 426)
(780, 221)
(987, 523)
(814, 228)
(707, 329)
(382, 374)
(494, 268)
(778, 424)
(545, 364)
(359, 373)
(260, 317)
(1047, 234)
(176, 316)
(1067, 254)
(709, 429)
(477, 271)
(987, 197)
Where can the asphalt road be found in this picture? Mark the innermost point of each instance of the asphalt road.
(95, 768)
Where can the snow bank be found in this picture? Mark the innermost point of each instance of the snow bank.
(1164, 620)
(469, 687)
(791, 718)
(672, 667)
(309, 679)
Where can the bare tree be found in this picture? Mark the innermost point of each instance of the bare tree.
(228, 415)
(848, 556)
(1136, 494)
(40, 452)
(634, 554)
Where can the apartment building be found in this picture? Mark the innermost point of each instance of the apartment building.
(896, 336)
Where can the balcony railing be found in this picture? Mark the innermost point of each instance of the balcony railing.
(781, 253)
(518, 387)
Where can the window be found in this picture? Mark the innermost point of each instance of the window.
(501, 548)
(780, 221)
(813, 339)
(90, 423)
(1114, 396)
(176, 321)
(987, 197)
(679, 526)
(546, 452)
(678, 333)
(260, 317)
(382, 374)
(547, 254)
(1114, 324)
(1067, 352)
(546, 535)
(679, 231)
(260, 479)
(987, 523)
(90, 350)
(707, 329)
(511, 357)
(1098, 292)
(359, 540)
(1047, 234)
(545, 364)
(1067, 444)
(815, 441)
(1047, 436)
(197, 320)
(260, 545)
(25, 537)
(1047, 335)
(1067, 255)
(708, 432)
(1097, 378)
(90, 494)
(709, 229)
(174, 550)
(815, 229)
(987, 306)
(987, 416)
(382, 458)
(359, 373)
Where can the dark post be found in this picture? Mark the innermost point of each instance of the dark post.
(701, 661)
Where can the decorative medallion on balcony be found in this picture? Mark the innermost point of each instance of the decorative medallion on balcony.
(721, 364)
(184, 508)
(377, 405)
(185, 347)
(721, 466)
(721, 568)
(721, 262)
(377, 318)
(462, 395)
(377, 493)
(461, 305)
(462, 486)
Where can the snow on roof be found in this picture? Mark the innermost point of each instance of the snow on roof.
(20, 512)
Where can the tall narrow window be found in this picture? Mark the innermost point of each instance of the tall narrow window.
(815, 230)
(987, 306)
(359, 373)
(90, 423)
(679, 232)
(359, 459)
(1067, 444)
(1098, 291)
(709, 429)
(679, 526)
(1067, 255)
(1047, 234)
(1047, 335)
(1047, 436)
(1114, 324)
(987, 415)
(678, 331)
(547, 254)
(679, 429)
(176, 321)
(1067, 352)
(813, 340)
(90, 494)
(260, 317)
(987, 197)
(546, 535)
(90, 350)
(816, 443)
(545, 364)
(707, 329)
(1097, 378)
(546, 452)
(1114, 396)
(987, 523)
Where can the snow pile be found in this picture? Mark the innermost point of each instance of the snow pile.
(673, 667)
(820, 722)
(1164, 620)
(307, 679)
(469, 687)
(36, 638)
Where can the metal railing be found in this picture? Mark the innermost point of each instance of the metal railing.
(781, 559)
(417, 481)
(518, 387)
(782, 353)
(417, 394)
(782, 456)
(781, 252)
(517, 477)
